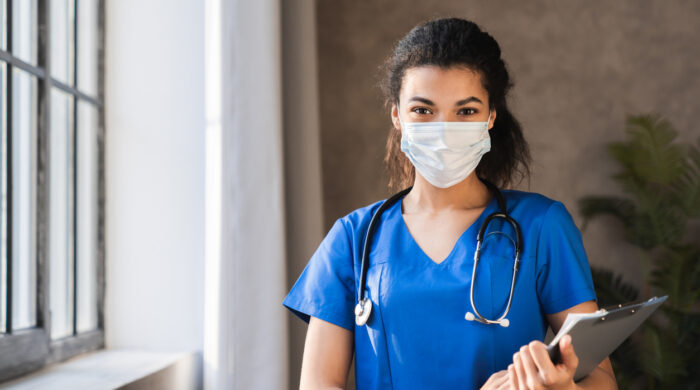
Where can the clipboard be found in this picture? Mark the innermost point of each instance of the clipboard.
(596, 335)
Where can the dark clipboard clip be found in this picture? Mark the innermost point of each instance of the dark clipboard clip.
(620, 311)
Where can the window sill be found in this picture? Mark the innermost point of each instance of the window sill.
(117, 368)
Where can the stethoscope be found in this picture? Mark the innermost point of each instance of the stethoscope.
(364, 305)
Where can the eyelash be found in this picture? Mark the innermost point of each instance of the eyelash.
(474, 111)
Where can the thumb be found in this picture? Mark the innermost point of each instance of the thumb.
(568, 356)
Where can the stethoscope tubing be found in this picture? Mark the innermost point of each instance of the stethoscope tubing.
(368, 238)
(364, 307)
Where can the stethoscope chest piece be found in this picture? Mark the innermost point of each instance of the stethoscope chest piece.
(362, 311)
(504, 322)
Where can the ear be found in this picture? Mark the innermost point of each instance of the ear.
(493, 118)
(395, 117)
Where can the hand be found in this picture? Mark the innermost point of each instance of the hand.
(533, 369)
(497, 381)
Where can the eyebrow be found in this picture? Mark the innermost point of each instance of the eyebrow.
(459, 103)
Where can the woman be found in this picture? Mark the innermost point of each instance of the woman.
(418, 328)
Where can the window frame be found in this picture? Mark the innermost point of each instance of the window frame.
(26, 350)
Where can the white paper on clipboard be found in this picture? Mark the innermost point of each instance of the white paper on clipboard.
(596, 335)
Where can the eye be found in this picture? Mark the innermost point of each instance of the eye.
(421, 110)
(467, 111)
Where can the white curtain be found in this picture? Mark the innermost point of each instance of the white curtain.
(245, 337)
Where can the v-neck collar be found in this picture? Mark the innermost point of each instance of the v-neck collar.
(471, 231)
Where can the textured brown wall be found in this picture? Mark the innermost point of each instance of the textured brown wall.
(579, 68)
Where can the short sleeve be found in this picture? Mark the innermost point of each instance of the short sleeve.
(564, 275)
(326, 287)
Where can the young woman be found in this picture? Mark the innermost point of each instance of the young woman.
(419, 314)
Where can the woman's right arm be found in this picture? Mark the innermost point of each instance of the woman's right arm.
(327, 356)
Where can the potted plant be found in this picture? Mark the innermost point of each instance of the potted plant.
(660, 179)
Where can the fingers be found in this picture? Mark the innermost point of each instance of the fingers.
(568, 355)
(505, 384)
(528, 363)
(520, 371)
(513, 377)
(489, 381)
(496, 380)
(533, 369)
(544, 364)
(501, 382)
(532, 380)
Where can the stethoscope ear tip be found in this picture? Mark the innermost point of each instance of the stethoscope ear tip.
(469, 316)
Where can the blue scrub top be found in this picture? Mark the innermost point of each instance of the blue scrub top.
(417, 336)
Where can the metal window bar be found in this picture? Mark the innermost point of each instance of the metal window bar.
(75, 170)
(8, 126)
(40, 73)
(43, 350)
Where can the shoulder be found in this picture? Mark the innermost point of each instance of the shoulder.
(538, 211)
(526, 199)
(358, 219)
(347, 234)
(533, 203)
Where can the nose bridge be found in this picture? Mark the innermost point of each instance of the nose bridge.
(446, 113)
(450, 115)
(445, 116)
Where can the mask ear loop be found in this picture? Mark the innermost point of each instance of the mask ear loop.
(398, 112)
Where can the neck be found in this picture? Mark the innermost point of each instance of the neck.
(468, 194)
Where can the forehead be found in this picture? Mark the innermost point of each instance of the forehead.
(434, 82)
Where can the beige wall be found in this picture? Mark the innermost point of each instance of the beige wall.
(579, 68)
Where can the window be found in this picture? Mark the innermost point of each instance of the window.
(51, 180)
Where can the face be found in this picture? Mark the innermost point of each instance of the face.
(433, 94)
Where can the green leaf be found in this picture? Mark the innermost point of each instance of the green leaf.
(654, 157)
(677, 273)
(593, 206)
(661, 358)
(687, 186)
(611, 289)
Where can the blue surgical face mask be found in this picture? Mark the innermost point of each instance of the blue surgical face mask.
(445, 153)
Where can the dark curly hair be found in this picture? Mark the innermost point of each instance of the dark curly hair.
(447, 43)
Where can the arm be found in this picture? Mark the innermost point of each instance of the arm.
(532, 368)
(327, 356)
